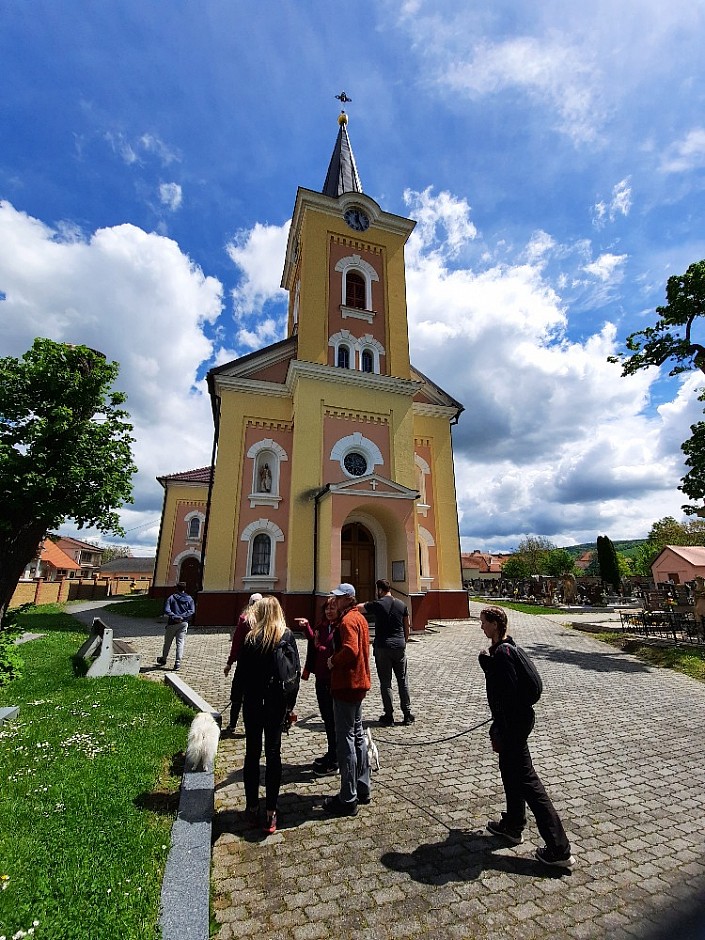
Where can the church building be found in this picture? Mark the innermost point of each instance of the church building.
(332, 455)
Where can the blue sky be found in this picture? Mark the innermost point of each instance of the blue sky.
(553, 157)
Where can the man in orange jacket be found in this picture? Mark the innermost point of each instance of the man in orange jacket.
(349, 683)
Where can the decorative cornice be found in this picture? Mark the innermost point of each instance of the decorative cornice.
(267, 424)
(298, 368)
(350, 414)
(434, 411)
(252, 386)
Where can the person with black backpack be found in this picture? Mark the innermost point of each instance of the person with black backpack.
(269, 660)
(392, 628)
(513, 687)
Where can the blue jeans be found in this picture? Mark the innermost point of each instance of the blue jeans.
(352, 751)
(175, 631)
(387, 661)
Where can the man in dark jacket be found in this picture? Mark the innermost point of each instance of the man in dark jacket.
(512, 723)
(392, 629)
(179, 609)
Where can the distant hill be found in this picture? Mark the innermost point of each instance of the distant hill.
(626, 546)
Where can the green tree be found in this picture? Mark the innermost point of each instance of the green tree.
(111, 552)
(534, 551)
(671, 338)
(559, 562)
(609, 564)
(64, 450)
(515, 568)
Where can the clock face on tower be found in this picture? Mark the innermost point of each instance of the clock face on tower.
(357, 219)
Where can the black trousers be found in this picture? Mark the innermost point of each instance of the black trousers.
(263, 714)
(236, 696)
(325, 705)
(522, 786)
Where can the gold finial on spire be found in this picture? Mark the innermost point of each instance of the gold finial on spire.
(343, 99)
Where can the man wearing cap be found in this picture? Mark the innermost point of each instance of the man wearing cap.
(349, 683)
(179, 609)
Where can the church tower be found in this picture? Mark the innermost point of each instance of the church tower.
(333, 454)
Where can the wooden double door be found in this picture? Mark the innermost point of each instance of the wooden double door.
(357, 560)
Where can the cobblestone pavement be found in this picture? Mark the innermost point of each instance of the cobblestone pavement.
(619, 746)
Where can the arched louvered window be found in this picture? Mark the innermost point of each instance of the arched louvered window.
(261, 555)
(343, 357)
(355, 290)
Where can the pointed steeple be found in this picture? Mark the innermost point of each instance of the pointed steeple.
(342, 176)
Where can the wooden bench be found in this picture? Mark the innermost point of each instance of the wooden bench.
(110, 657)
(8, 712)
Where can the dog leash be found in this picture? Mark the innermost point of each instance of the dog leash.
(451, 737)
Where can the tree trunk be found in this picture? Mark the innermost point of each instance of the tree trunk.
(17, 549)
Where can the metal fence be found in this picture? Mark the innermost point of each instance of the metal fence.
(673, 625)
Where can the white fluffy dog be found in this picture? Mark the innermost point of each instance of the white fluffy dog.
(203, 737)
(372, 751)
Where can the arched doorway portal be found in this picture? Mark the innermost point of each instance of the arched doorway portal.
(188, 573)
(357, 559)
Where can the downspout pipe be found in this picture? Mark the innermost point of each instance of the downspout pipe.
(216, 435)
(316, 499)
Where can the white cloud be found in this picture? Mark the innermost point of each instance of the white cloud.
(442, 212)
(607, 267)
(170, 195)
(620, 204)
(552, 441)
(135, 151)
(687, 154)
(141, 301)
(259, 254)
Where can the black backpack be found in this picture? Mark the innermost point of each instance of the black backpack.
(287, 669)
(530, 683)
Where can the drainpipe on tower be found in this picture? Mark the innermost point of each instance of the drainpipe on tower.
(319, 495)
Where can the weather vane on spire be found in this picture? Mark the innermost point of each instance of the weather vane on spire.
(343, 98)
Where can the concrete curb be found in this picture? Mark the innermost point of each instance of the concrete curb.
(185, 902)
(185, 913)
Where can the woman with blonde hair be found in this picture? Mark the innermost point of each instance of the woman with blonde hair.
(265, 705)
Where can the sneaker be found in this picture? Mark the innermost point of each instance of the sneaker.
(177, 666)
(328, 769)
(499, 827)
(364, 800)
(318, 761)
(334, 806)
(161, 661)
(386, 719)
(270, 825)
(555, 860)
(409, 719)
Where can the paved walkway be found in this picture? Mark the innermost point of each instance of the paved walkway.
(618, 744)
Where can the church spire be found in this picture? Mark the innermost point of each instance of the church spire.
(342, 176)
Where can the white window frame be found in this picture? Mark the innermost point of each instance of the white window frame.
(194, 514)
(426, 541)
(364, 268)
(357, 443)
(422, 471)
(261, 527)
(357, 347)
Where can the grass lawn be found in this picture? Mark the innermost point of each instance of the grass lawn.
(517, 605)
(90, 772)
(688, 660)
(147, 607)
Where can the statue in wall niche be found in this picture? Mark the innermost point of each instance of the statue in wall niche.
(265, 479)
(569, 588)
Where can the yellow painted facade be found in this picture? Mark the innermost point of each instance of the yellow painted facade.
(324, 438)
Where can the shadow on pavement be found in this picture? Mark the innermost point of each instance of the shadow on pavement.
(463, 856)
(604, 661)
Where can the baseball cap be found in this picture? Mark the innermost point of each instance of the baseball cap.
(344, 590)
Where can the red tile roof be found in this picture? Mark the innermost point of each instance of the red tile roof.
(52, 555)
(202, 475)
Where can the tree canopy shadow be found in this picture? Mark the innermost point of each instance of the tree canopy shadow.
(606, 660)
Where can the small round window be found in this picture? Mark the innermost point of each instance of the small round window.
(355, 463)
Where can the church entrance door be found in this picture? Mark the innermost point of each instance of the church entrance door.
(188, 573)
(357, 560)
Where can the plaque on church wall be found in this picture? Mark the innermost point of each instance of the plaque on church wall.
(398, 571)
